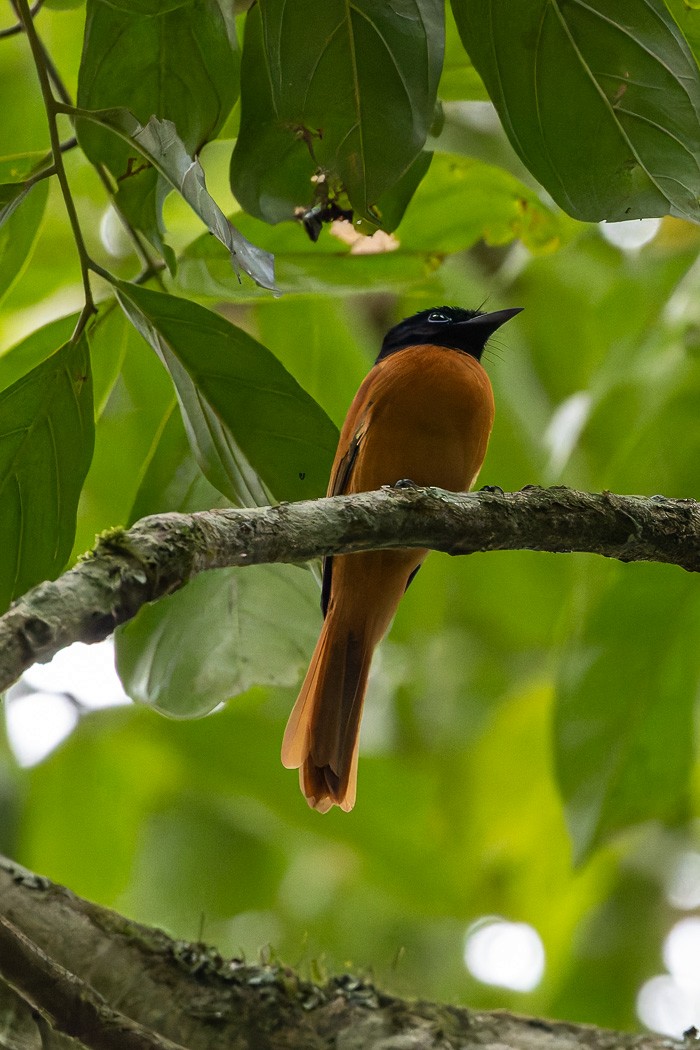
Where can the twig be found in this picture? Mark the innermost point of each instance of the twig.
(18, 27)
(150, 266)
(49, 73)
(44, 168)
(44, 173)
(67, 1003)
(162, 553)
(40, 61)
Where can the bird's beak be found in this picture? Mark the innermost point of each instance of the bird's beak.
(490, 322)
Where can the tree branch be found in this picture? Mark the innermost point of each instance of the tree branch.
(159, 554)
(66, 1003)
(188, 993)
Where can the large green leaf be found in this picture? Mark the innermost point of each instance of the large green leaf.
(602, 103)
(225, 632)
(169, 60)
(625, 702)
(345, 89)
(254, 430)
(46, 439)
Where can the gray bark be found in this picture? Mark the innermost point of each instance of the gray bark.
(161, 553)
(71, 967)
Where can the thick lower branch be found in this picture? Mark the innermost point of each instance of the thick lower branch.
(66, 1003)
(161, 553)
(188, 993)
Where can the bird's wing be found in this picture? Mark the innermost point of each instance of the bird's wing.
(354, 429)
(339, 484)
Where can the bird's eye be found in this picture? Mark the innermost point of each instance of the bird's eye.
(438, 317)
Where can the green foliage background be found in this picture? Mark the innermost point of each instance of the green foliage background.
(529, 747)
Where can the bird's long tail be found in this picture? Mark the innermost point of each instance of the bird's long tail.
(322, 735)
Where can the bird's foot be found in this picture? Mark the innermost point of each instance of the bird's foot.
(405, 483)
(492, 488)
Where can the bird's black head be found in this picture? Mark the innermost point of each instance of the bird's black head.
(449, 326)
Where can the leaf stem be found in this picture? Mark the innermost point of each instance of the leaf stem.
(100, 271)
(45, 173)
(50, 105)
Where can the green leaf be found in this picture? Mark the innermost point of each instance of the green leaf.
(46, 440)
(14, 173)
(254, 430)
(464, 200)
(171, 478)
(140, 199)
(625, 702)
(133, 396)
(159, 143)
(257, 626)
(347, 89)
(686, 14)
(392, 204)
(18, 167)
(300, 266)
(21, 211)
(174, 61)
(18, 233)
(331, 332)
(601, 103)
(11, 196)
(459, 80)
(30, 352)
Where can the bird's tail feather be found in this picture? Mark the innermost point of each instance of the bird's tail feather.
(322, 734)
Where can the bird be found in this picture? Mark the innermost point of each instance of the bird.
(422, 415)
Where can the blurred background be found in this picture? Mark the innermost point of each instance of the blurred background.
(525, 831)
